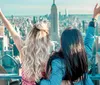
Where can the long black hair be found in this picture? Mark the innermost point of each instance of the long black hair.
(74, 55)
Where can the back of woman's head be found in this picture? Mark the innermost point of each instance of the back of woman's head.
(74, 54)
(35, 51)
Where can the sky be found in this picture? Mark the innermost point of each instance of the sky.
(42, 7)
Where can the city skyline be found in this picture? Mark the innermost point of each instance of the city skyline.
(36, 7)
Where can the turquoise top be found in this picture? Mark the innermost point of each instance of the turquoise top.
(58, 66)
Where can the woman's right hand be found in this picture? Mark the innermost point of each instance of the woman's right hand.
(96, 13)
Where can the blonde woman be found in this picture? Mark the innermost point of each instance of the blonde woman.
(34, 51)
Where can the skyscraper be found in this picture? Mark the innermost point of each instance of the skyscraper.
(54, 30)
(66, 13)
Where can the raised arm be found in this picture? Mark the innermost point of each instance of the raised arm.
(89, 39)
(15, 35)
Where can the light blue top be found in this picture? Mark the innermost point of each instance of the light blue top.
(89, 41)
(58, 67)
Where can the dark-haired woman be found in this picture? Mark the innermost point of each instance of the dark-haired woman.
(71, 62)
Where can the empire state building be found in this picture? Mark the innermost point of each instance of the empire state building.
(54, 23)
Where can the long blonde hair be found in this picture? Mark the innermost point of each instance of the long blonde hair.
(35, 51)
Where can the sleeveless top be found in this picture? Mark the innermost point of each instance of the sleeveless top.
(26, 81)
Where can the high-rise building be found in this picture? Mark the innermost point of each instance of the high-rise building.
(54, 30)
(34, 20)
(60, 16)
(66, 13)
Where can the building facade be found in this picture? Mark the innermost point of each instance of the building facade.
(54, 30)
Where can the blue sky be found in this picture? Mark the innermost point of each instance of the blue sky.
(42, 7)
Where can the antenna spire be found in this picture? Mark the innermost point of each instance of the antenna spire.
(53, 1)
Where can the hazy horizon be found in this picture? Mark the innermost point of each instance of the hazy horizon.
(44, 14)
(37, 7)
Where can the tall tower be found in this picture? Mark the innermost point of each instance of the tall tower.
(54, 30)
